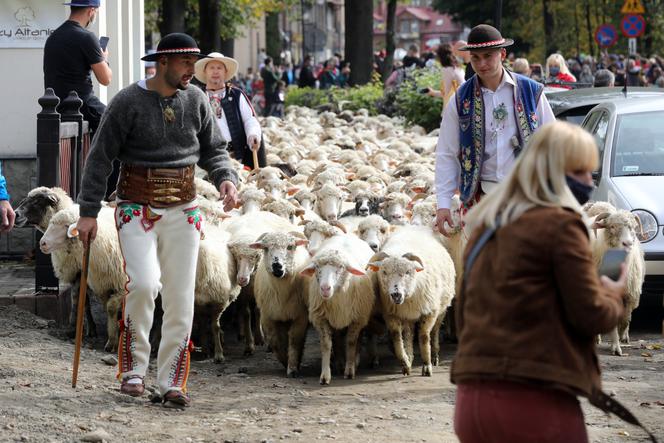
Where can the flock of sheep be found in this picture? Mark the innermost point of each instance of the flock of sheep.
(335, 233)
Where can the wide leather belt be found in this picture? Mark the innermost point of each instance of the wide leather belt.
(157, 187)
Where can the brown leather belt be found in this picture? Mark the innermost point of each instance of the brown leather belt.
(157, 187)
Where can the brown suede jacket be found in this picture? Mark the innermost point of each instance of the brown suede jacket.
(533, 305)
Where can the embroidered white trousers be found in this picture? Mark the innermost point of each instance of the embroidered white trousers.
(160, 251)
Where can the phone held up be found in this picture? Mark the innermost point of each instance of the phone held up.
(103, 42)
(424, 91)
(611, 262)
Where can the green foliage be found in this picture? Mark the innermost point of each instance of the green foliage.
(415, 107)
(366, 96)
(308, 97)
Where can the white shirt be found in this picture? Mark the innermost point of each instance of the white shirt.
(498, 151)
(249, 120)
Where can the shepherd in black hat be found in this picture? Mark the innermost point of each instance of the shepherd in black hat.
(486, 124)
(159, 129)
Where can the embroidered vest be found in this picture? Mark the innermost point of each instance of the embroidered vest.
(470, 108)
(230, 103)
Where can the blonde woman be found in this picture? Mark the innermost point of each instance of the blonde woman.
(557, 72)
(532, 303)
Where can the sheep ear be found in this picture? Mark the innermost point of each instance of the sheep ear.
(339, 225)
(224, 215)
(301, 242)
(418, 189)
(299, 212)
(293, 191)
(415, 258)
(72, 232)
(257, 245)
(308, 271)
(374, 266)
(355, 271)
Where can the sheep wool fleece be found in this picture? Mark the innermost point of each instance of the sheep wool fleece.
(155, 263)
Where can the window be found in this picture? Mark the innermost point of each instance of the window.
(638, 146)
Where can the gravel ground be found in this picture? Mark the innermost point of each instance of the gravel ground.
(249, 399)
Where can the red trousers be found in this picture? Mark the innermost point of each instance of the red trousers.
(510, 412)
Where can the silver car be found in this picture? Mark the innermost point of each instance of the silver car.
(630, 138)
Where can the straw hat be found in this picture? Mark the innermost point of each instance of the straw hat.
(230, 64)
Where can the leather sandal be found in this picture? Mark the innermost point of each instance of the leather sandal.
(176, 400)
(133, 389)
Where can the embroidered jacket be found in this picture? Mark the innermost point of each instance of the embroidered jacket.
(470, 109)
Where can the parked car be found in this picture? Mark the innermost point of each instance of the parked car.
(573, 105)
(630, 138)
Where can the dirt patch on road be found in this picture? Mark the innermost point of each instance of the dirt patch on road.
(249, 399)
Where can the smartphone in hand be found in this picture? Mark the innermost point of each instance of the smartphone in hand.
(424, 91)
(611, 262)
(103, 42)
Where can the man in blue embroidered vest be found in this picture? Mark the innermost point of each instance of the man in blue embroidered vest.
(232, 108)
(487, 123)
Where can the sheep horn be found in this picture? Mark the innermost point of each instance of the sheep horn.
(339, 225)
(413, 257)
(600, 220)
(638, 222)
(378, 256)
(298, 234)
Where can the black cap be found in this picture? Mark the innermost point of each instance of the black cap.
(485, 37)
(173, 44)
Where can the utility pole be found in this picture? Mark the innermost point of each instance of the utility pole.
(498, 14)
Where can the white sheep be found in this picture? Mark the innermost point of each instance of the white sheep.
(374, 230)
(416, 281)
(619, 229)
(340, 296)
(329, 200)
(106, 277)
(394, 208)
(318, 231)
(279, 292)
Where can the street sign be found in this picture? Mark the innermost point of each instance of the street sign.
(631, 46)
(606, 35)
(632, 7)
(633, 26)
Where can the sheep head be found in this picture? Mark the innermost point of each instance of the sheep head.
(397, 276)
(279, 251)
(332, 271)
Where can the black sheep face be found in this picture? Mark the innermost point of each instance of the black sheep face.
(32, 210)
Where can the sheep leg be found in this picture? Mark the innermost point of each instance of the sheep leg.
(338, 351)
(372, 349)
(325, 333)
(249, 346)
(275, 336)
(435, 340)
(259, 337)
(426, 326)
(112, 328)
(73, 294)
(408, 341)
(242, 318)
(217, 333)
(91, 330)
(352, 337)
(615, 343)
(395, 327)
(297, 334)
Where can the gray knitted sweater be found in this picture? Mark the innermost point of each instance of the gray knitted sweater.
(135, 130)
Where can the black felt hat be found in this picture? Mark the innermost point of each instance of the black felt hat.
(173, 44)
(485, 37)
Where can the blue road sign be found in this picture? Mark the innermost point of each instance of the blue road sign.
(606, 35)
(633, 26)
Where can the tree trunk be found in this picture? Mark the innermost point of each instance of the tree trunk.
(591, 43)
(210, 25)
(577, 30)
(390, 43)
(227, 47)
(359, 40)
(549, 28)
(172, 16)
(272, 37)
(498, 14)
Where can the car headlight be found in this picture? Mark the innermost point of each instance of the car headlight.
(649, 225)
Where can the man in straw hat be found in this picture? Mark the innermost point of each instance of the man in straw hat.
(159, 128)
(235, 115)
(487, 123)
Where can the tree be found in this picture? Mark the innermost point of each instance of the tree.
(210, 25)
(172, 16)
(390, 43)
(272, 35)
(359, 40)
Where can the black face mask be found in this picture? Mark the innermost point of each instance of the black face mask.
(581, 191)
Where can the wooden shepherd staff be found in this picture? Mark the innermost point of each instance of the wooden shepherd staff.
(81, 310)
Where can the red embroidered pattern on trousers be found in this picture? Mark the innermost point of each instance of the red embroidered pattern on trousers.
(180, 367)
(127, 346)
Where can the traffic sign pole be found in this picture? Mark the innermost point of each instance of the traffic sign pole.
(631, 44)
